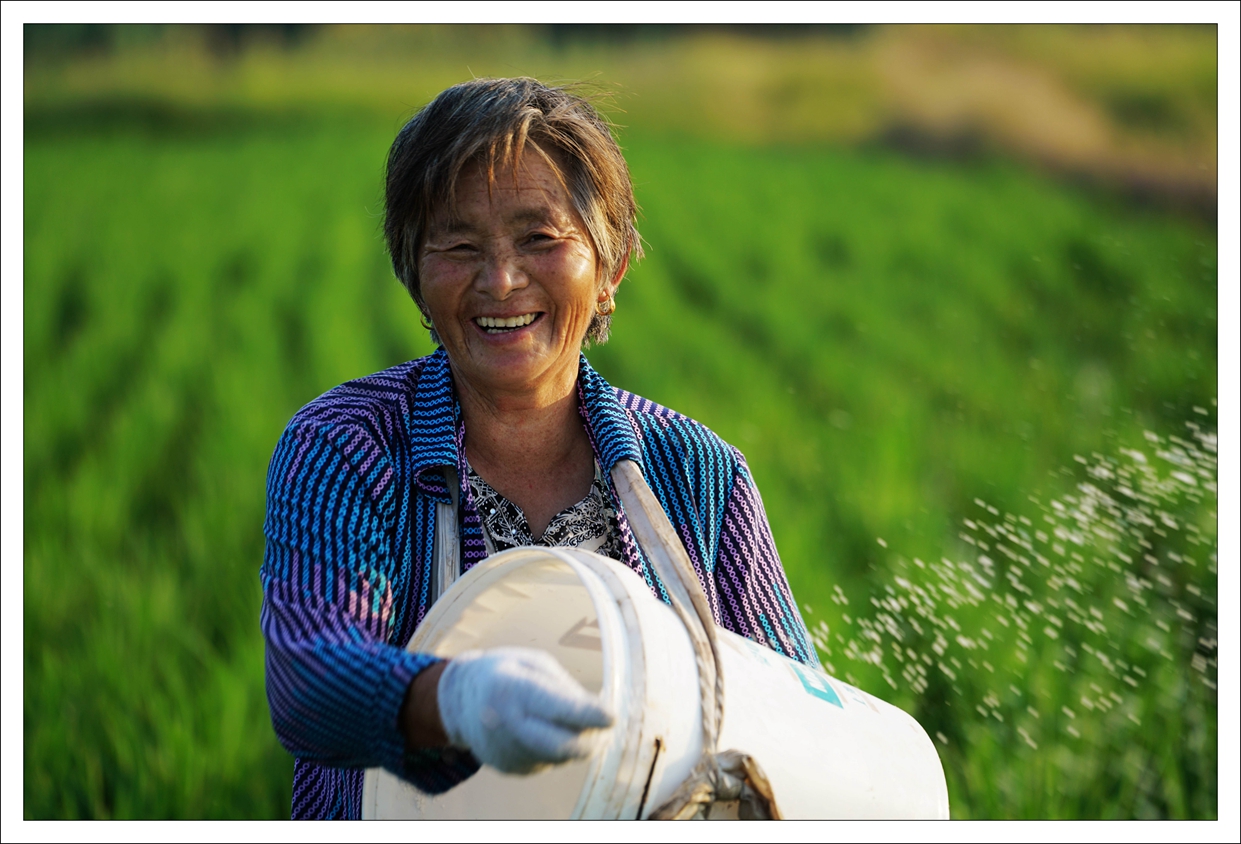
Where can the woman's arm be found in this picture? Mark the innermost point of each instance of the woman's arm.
(420, 714)
(755, 599)
(338, 689)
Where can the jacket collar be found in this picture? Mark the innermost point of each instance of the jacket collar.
(611, 432)
(436, 431)
(433, 426)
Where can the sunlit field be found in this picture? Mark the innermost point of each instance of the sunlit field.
(979, 403)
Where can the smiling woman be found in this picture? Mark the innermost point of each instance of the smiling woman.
(510, 220)
(511, 285)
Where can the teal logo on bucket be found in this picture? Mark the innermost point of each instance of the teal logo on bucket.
(813, 682)
(816, 684)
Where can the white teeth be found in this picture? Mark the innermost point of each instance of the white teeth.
(505, 322)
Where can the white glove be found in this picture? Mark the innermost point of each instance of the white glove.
(517, 709)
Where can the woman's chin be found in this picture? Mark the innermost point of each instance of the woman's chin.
(516, 366)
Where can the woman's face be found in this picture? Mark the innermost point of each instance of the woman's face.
(512, 282)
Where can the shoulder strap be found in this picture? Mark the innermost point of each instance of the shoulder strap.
(446, 564)
(716, 777)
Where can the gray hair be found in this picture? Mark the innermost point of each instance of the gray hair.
(490, 122)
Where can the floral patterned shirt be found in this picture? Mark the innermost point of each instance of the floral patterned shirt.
(590, 524)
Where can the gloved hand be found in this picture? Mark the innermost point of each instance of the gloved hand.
(518, 709)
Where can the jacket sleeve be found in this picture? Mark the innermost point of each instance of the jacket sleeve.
(335, 680)
(753, 594)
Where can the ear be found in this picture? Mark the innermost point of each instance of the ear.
(617, 278)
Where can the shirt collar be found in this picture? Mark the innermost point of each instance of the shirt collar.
(434, 418)
(611, 433)
(433, 425)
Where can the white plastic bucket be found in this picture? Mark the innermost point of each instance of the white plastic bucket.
(828, 749)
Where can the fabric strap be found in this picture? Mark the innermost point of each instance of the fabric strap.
(447, 553)
(717, 777)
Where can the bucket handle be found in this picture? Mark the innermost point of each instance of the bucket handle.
(717, 776)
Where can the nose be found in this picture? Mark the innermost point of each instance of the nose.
(500, 275)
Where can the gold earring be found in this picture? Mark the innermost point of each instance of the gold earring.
(606, 307)
(426, 321)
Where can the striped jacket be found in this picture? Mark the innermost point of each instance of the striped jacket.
(351, 495)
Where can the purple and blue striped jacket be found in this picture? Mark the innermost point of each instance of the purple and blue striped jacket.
(351, 494)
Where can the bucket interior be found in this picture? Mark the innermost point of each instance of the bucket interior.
(539, 603)
(542, 604)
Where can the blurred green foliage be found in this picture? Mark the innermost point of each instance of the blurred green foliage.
(886, 339)
(1127, 106)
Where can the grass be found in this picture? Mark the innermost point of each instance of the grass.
(886, 340)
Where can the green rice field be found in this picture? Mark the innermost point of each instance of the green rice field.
(979, 404)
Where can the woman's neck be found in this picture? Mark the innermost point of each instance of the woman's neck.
(533, 450)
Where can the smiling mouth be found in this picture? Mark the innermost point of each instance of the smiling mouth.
(503, 325)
